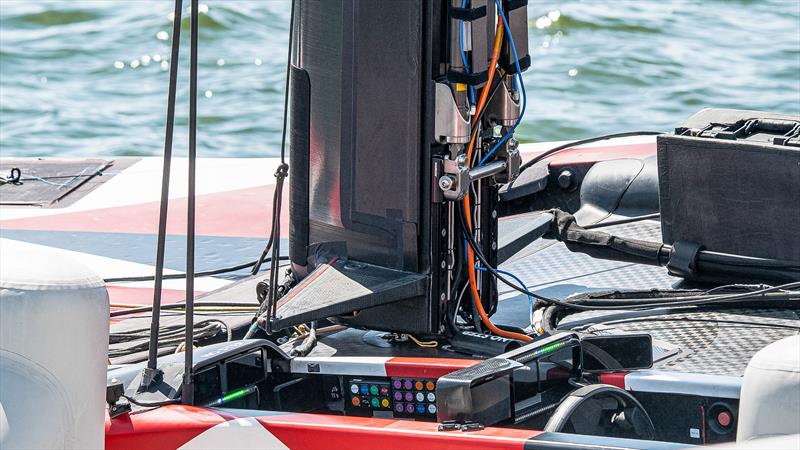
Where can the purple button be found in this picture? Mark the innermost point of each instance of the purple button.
(398, 395)
(398, 407)
(407, 384)
(409, 397)
(409, 408)
(397, 384)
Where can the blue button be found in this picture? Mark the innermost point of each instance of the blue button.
(364, 389)
(421, 408)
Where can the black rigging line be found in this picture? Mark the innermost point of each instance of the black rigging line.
(150, 372)
(187, 394)
(281, 174)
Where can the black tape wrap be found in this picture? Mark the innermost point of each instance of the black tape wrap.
(683, 259)
(603, 245)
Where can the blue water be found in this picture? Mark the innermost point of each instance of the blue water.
(90, 77)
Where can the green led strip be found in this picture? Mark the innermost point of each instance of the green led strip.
(236, 394)
(550, 348)
(232, 396)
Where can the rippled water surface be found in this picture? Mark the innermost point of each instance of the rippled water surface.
(90, 77)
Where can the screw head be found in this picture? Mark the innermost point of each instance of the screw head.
(446, 182)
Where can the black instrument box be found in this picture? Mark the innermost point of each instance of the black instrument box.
(730, 181)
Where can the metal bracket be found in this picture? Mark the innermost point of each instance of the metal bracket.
(453, 180)
(513, 161)
(450, 127)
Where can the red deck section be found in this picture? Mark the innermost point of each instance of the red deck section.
(239, 213)
(142, 295)
(583, 155)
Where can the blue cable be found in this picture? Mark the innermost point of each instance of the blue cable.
(530, 299)
(521, 84)
(463, 54)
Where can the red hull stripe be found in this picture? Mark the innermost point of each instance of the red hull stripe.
(425, 367)
(309, 431)
(170, 427)
(164, 428)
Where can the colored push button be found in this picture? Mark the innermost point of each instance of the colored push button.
(384, 390)
(364, 389)
(432, 409)
(725, 418)
(429, 385)
(421, 408)
(355, 401)
(398, 396)
(420, 397)
(373, 390)
(354, 388)
(409, 408)
(431, 397)
(385, 403)
(409, 397)
(399, 407)
(407, 384)
(397, 384)
(375, 402)
(418, 385)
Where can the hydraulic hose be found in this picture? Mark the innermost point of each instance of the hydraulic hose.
(473, 284)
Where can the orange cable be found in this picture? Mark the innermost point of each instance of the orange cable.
(473, 284)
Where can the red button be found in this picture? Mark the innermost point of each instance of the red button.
(724, 418)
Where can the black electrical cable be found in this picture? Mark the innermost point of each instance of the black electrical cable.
(152, 356)
(611, 223)
(171, 401)
(568, 145)
(633, 303)
(687, 319)
(180, 276)
(129, 311)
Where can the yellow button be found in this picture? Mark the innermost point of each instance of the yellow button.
(418, 385)
(429, 385)
(385, 403)
(356, 401)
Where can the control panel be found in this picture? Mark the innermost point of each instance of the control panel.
(413, 398)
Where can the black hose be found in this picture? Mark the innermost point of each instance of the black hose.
(553, 150)
(179, 276)
(634, 303)
(128, 311)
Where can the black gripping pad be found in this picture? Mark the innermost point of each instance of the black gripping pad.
(300, 108)
(342, 287)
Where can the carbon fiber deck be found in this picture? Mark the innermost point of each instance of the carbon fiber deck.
(720, 342)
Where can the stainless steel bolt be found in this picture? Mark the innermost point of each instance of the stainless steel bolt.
(446, 182)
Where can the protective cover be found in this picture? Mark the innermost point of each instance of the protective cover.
(364, 128)
(731, 188)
